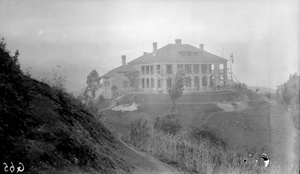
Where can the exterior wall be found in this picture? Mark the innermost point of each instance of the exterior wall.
(213, 77)
(118, 81)
(217, 77)
(107, 88)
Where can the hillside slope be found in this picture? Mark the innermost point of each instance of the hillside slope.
(48, 131)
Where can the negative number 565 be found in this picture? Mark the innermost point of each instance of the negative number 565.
(11, 169)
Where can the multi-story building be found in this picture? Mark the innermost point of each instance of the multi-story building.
(204, 70)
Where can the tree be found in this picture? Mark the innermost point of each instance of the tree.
(176, 89)
(93, 83)
(289, 91)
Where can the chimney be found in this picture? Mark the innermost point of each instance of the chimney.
(154, 48)
(202, 47)
(144, 53)
(177, 41)
(123, 60)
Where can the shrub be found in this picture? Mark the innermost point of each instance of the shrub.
(207, 134)
(139, 133)
(169, 124)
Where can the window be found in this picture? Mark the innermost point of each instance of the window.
(188, 82)
(188, 68)
(108, 83)
(212, 80)
(143, 83)
(152, 82)
(147, 83)
(157, 69)
(179, 66)
(204, 81)
(169, 69)
(196, 68)
(143, 70)
(158, 83)
(125, 84)
(196, 82)
(147, 69)
(209, 68)
(212, 68)
(221, 68)
(151, 69)
(204, 68)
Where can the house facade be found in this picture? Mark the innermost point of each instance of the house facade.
(204, 71)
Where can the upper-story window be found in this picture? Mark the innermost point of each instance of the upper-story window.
(147, 70)
(188, 68)
(151, 69)
(143, 70)
(221, 68)
(204, 68)
(179, 66)
(169, 69)
(196, 68)
(157, 69)
(210, 68)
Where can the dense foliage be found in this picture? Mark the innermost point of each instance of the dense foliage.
(176, 89)
(46, 128)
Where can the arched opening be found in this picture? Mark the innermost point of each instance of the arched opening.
(204, 81)
(222, 82)
(114, 90)
(212, 80)
(147, 83)
(152, 82)
(143, 83)
(196, 83)
(158, 83)
(188, 82)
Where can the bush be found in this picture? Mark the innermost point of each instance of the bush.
(169, 124)
(139, 133)
(207, 133)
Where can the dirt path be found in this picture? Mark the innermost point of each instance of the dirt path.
(157, 168)
(285, 139)
(145, 163)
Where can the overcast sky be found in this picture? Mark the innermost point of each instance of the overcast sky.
(262, 35)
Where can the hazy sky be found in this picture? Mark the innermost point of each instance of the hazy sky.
(262, 35)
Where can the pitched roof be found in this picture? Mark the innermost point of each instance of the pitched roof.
(120, 69)
(177, 53)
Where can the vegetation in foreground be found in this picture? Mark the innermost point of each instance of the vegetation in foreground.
(48, 130)
(196, 151)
